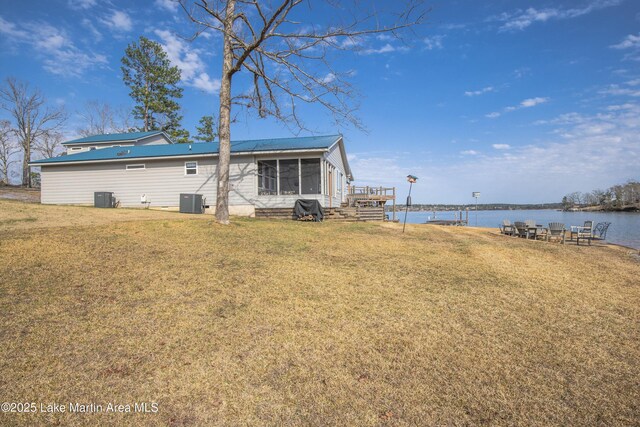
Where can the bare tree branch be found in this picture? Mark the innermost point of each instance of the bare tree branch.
(33, 118)
(8, 150)
(289, 63)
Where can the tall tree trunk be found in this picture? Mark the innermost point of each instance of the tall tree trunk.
(26, 175)
(224, 130)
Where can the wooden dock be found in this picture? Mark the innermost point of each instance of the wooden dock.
(456, 222)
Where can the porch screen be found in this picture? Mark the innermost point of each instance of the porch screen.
(267, 174)
(310, 169)
(289, 182)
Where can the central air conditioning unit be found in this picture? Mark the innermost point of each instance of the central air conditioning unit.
(191, 203)
(104, 199)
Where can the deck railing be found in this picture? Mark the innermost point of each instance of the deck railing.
(383, 193)
(371, 196)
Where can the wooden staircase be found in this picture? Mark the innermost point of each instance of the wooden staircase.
(343, 213)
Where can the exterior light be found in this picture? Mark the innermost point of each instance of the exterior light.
(411, 179)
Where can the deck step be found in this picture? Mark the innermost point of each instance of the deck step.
(344, 214)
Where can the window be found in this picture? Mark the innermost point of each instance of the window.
(135, 167)
(76, 148)
(310, 176)
(191, 168)
(289, 178)
(92, 148)
(267, 176)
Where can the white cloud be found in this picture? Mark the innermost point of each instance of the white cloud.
(433, 42)
(527, 103)
(11, 30)
(82, 4)
(188, 60)
(203, 82)
(56, 49)
(480, 91)
(616, 90)
(119, 21)
(631, 44)
(97, 35)
(501, 146)
(170, 5)
(384, 49)
(521, 19)
(469, 153)
(532, 102)
(328, 78)
(631, 41)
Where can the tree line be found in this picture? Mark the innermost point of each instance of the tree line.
(621, 196)
(37, 127)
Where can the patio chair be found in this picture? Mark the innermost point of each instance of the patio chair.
(521, 229)
(585, 232)
(600, 230)
(556, 230)
(532, 229)
(576, 228)
(507, 228)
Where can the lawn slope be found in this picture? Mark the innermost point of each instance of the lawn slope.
(287, 323)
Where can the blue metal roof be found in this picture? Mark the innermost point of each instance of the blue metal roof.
(113, 137)
(189, 149)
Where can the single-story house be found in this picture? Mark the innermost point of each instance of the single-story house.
(147, 167)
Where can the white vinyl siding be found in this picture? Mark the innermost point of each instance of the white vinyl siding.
(336, 167)
(163, 180)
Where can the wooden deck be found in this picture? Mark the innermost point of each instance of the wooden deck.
(371, 197)
(363, 203)
(345, 213)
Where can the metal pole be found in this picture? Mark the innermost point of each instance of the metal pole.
(407, 207)
(476, 211)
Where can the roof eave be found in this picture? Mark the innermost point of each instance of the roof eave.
(236, 153)
(120, 141)
(343, 154)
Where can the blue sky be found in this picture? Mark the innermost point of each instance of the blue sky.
(522, 101)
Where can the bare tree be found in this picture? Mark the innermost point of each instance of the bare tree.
(33, 118)
(8, 150)
(288, 61)
(50, 145)
(101, 118)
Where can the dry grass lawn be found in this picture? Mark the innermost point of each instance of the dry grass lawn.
(287, 323)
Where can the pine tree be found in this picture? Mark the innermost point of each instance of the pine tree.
(206, 130)
(153, 82)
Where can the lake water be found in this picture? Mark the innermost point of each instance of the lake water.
(624, 228)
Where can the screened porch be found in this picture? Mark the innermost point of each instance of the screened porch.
(303, 177)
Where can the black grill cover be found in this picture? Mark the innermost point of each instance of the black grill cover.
(306, 207)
